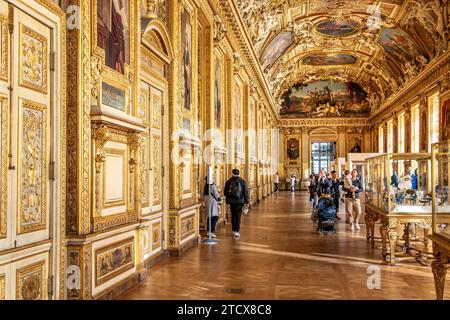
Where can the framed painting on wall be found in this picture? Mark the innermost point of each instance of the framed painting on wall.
(293, 146)
(354, 143)
(113, 32)
(237, 110)
(445, 120)
(186, 51)
(217, 93)
(424, 130)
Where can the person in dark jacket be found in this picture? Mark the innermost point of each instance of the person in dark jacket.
(237, 196)
(337, 194)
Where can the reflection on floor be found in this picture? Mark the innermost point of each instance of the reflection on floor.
(281, 256)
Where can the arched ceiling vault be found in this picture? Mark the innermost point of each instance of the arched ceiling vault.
(379, 45)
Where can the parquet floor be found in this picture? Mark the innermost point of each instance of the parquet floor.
(281, 256)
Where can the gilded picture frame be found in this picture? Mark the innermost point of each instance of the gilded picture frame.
(109, 75)
(186, 7)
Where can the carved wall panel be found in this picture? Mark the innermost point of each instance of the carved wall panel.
(144, 176)
(31, 282)
(156, 235)
(187, 227)
(33, 65)
(114, 178)
(146, 245)
(33, 168)
(4, 47)
(156, 108)
(112, 260)
(143, 107)
(156, 171)
(2, 287)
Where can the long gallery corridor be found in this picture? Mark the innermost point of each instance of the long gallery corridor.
(281, 256)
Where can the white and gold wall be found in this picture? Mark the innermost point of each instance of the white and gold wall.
(33, 147)
(104, 148)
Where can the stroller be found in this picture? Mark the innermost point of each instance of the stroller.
(326, 213)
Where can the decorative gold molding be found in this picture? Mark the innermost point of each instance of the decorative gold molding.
(325, 122)
(4, 47)
(4, 165)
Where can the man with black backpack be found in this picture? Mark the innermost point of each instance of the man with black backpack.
(237, 196)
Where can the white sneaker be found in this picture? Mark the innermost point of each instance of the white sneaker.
(213, 235)
(234, 233)
(237, 235)
(352, 227)
(357, 227)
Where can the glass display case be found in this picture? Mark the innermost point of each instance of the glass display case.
(399, 183)
(398, 193)
(440, 154)
(441, 182)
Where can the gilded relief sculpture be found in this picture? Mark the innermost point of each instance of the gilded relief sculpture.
(33, 168)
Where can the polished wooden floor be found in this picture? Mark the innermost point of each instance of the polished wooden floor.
(281, 256)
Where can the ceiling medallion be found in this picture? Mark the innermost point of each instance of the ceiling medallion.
(336, 28)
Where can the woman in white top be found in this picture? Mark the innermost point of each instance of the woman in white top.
(293, 182)
(276, 181)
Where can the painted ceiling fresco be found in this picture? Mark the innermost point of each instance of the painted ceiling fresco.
(329, 59)
(333, 28)
(276, 48)
(325, 99)
(379, 45)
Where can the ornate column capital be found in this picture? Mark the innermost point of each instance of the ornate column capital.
(252, 88)
(238, 62)
(342, 129)
(444, 84)
(151, 9)
(219, 29)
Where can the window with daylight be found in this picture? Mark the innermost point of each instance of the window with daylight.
(433, 105)
(322, 155)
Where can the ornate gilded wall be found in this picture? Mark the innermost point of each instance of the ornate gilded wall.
(104, 148)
